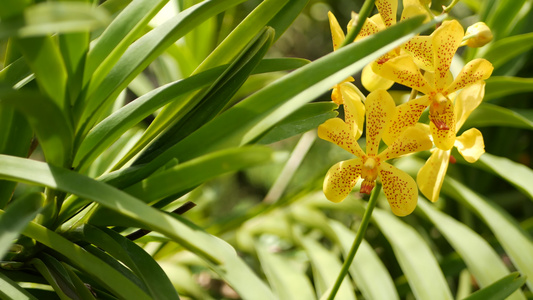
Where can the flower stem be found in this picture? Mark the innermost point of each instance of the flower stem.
(357, 241)
(449, 7)
(364, 13)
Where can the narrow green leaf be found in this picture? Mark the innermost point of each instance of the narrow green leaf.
(513, 239)
(133, 256)
(81, 289)
(140, 54)
(503, 16)
(74, 48)
(287, 281)
(508, 48)
(17, 215)
(110, 129)
(117, 37)
(326, 266)
(515, 173)
(493, 115)
(482, 261)
(501, 289)
(501, 86)
(414, 256)
(11, 8)
(306, 118)
(219, 255)
(47, 120)
(369, 273)
(279, 64)
(211, 101)
(15, 72)
(286, 16)
(99, 271)
(9, 289)
(44, 58)
(194, 172)
(55, 277)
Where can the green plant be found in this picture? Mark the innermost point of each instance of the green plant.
(96, 201)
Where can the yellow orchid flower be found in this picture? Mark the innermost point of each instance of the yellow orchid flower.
(400, 189)
(435, 85)
(470, 144)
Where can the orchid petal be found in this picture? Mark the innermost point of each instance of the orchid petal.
(338, 132)
(413, 139)
(473, 72)
(399, 188)
(337, 35)
(354, 109)
(372, 81)
(445, 41)
(369, 28)
(336, 94)
(470, 144)
(407, 115)
(443, 137)
(387, 9)
(419, 47)
(341, 178)
(468, 100)
(378, 20)
(413, 8)
(380, 108)
(403, 70)
(431, 176)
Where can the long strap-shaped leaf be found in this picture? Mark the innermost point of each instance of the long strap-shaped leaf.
(217, 253)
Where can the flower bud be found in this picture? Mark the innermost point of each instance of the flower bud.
(478, 35)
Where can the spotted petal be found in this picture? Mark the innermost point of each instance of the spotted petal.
(413, 8)
(468, 100)
(403, 70)
(372, 81)
(369, 28)
(399, 188)
(354, 109)
(380, 108)
(338, 132)
(407, 115)
(419, 47)
(445, 41)
(475, 71)
(337, 35)
(387, 9)
(336, 94)
(413, 139)
(443, 138)
(470, 144)
(341, 178)
(431, 176)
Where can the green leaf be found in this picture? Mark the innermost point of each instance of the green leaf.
(515, 173)
(503, 16)
(513, 239)
(82, 291)
(17, 215)
(507, 48)
(56, 275)
(194, 172)
(133, 256)
(493, 115)
(220, 256)
(286, 16)
(501, 86)
(369, 273)
(211, 101)
(140, 54)
(279, 64)
(326, 266)
(287, 281)
(47, 120)
(9, 289)
(117, 37)
(52, 17)
(482, 261)
(501, 289)
(414, 256)
(44, 58)
(306, 118)
(250, 118)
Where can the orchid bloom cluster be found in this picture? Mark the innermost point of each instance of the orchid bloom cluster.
(423, 64)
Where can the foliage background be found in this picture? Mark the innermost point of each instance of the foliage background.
(282, 238)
